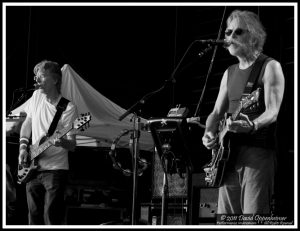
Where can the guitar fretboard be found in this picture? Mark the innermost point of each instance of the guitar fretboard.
(253, 97)
(237, 111)
(49, 142)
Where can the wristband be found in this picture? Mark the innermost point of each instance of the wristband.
(23, 146)
(24, 140)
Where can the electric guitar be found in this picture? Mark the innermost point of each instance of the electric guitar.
(215, 168)
(26, 170)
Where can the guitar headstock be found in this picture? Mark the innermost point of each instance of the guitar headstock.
(251, 99)
(82, 122)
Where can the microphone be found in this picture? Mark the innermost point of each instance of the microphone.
(215, 42)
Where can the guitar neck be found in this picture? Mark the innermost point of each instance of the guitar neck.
(224, 130)
(49, 142)
(237, 112)
(222, 134)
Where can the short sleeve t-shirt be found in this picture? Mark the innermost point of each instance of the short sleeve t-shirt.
(42, 113)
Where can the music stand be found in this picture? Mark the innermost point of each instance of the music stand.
(170, 139)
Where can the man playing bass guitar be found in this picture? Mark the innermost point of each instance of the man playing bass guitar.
(247, 183)
(45, 187)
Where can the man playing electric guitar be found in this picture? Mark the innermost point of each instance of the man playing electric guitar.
(221, 152)
(45, 188)
(248, 180)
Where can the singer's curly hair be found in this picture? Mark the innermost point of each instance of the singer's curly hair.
(52, 68)
(257, 33)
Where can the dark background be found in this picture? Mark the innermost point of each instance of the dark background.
(126, 52)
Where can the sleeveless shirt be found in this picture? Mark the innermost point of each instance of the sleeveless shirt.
(236, 83)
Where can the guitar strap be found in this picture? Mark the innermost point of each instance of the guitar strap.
(263, 138)
(60, 107)
(254, 75)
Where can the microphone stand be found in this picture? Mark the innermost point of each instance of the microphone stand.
(207, 76)
(24, 94)
(197, 111)
(165, 192)
(142, 101)
(136, 134)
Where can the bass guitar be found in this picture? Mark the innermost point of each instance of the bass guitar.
(26, 170)
(214, 170)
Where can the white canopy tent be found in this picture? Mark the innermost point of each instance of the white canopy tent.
(105, 125)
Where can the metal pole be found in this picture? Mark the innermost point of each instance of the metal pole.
(136, 134)
(164, 194)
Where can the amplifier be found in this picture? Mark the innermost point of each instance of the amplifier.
(208, 202)
(204, 205)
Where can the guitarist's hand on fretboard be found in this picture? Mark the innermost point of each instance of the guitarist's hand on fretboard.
(57, 142)
(68, 144)
(241, 125)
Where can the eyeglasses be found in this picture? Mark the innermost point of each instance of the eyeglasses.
(237, 32)
(36, 77)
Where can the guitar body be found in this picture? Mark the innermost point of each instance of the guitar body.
(26, 170)
(216, 167)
